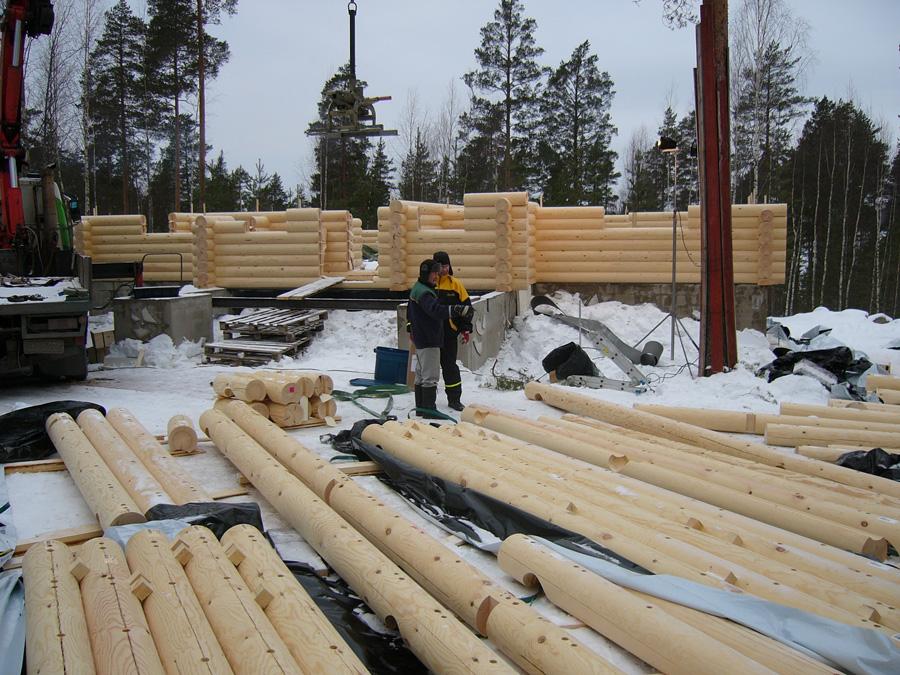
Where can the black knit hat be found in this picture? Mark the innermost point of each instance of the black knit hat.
(426, 267)
(444, 259)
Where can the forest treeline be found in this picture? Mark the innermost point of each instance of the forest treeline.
(112, 100)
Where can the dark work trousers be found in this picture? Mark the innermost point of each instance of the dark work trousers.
(448, 359)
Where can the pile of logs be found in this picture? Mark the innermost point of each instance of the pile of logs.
(193, 605)
(410, 580)
(121, 470)
(289, 398)
(820, 432)
(886, 387)
(166, 256)
(579, 481)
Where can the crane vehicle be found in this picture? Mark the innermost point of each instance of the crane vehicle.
(43, 319)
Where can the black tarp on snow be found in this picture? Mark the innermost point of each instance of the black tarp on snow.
(23, 437)
(876, 462)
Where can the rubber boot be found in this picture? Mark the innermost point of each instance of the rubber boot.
(429, 400)
(454, 394)
(418, 395)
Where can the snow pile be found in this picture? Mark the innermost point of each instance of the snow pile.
(160, 352)
(532, 337)
(347, 342)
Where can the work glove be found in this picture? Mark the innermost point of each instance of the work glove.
(465, 337)
(462, 311)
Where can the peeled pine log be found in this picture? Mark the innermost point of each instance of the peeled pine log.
(101, 221)
(101, 490)
(556, 396)
(185, 641)
(259, 407)
(880, 382)
(309, 636)
(515, 628)
(304, 384)
(841, 413)
(794, 435)
(863, 405)
(832, 453)
(490, 198)
(833, 565)
(120, 638)
(140, 484)
(432, 633)
(56, 632)
(889, 396)
(639, 626)
(655, 550)
(288, 415)
(236, 385)
(178, 485)
(247, 637)
(322, 406)
(755, 423)
(181, 434)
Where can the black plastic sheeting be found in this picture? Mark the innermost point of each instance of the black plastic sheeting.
(877, 462)
(837, 360)
(379, 652)
(23, 437)
(455, 506)
(217, 516)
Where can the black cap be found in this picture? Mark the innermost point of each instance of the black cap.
(443, 258)
(426, 267)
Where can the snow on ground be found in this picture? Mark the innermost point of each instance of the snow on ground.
(172, 380)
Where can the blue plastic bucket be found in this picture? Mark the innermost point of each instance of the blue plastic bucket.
(390, 365)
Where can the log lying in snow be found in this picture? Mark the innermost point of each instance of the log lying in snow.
(184, 638)
(181, 434)
(511, 625)
(100, 488)
(178, 485)
(56, 631)
(140, 484)
(433, 634)
(559, 397)
(313, 642)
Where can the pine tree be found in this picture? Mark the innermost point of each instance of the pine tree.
(769, 56)
(640, 190)
(380, 184)
(577, 131)
(222, 190)
(116, 102)
(507, 66)
(836, 173)
(419, 172)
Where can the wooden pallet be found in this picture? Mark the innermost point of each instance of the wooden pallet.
(251, 352)
(285, 324)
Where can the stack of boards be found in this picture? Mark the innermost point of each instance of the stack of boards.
(289, 398)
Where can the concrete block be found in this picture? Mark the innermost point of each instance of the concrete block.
(186, 317)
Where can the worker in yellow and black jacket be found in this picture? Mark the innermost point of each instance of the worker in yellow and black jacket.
(451, 292)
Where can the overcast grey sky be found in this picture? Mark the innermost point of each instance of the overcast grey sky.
(282, 51)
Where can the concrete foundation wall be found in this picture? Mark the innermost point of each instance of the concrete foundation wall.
(751, 302)
(187, 317)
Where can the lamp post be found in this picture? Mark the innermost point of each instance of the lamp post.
(669, 146)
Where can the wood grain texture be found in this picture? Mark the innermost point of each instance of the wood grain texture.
(250, 642)
(120, 638)
(185, 641)
(56, 632)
